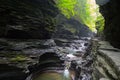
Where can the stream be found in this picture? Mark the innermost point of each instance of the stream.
(76, 57)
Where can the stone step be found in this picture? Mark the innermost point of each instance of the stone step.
(107, 61)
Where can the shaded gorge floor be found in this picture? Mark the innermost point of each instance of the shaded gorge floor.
(69, 60)
(52, 59)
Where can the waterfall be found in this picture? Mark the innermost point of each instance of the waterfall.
(66, 74)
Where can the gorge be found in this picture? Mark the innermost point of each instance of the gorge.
(59, 40)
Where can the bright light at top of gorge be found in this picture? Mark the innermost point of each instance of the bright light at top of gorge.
(86, 11)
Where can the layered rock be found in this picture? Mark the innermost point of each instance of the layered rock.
(106, 64)
(27, 18)
(48, 61)
(70, 28)
(17, 55)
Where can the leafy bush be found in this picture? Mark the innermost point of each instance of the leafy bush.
(86, 11)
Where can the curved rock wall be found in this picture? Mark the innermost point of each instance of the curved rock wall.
(112, 17)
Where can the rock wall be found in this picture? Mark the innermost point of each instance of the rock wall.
(27, 18)
(70, 28)
(112, 17)
(106, 64)
(38, 19)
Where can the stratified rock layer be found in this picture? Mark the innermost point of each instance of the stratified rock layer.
(27, 18)
(107, 63)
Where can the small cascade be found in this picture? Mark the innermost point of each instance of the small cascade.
(66, 74)
(69, 61)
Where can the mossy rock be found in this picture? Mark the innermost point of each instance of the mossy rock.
(19, 58)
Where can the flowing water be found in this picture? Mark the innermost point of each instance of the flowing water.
(66, 74)
(74, 50)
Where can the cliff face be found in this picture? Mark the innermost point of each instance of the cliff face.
(27, 18)
(38, 19)
(106, 61)
(112, 26)
(70, 28)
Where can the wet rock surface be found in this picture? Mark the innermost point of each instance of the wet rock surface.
(65, 56)
(107, 63)
(34, 56)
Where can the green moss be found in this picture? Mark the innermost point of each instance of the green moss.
(100, 23)
(14, 57)
(19, 58)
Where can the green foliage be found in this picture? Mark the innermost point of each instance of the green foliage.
(87, 11)
(67, 7)
(100, 23)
